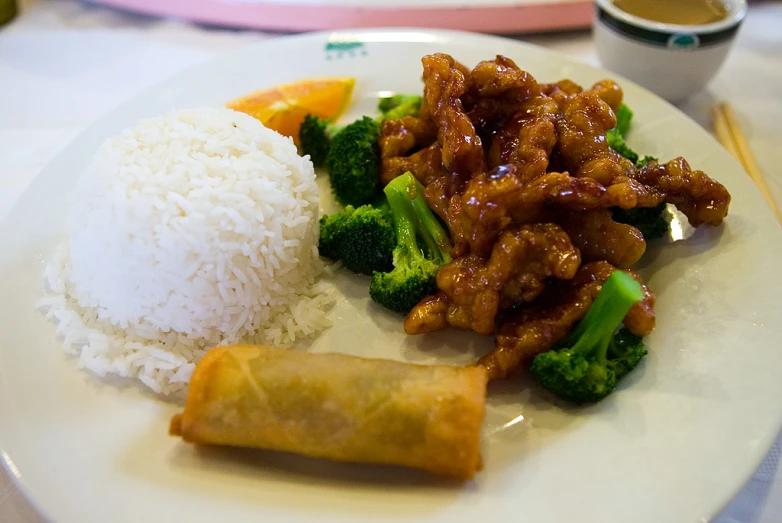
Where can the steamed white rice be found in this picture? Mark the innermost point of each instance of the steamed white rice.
(188, 230)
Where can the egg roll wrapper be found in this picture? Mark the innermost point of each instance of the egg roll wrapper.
(340, 407)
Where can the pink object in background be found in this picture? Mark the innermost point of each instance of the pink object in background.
(492, 16)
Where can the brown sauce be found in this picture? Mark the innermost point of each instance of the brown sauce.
(683, 12)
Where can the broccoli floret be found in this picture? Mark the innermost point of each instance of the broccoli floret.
(626, 352)
(386, 103)
(651, 221)
(351, 153)
(315, 138)
(399, 106)
(422, 248)
(624, 117)
(362, 238)
(586, 366)
(353, 162)
(616, 136)
(617, 143)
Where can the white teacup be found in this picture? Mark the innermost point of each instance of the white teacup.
(674, 61)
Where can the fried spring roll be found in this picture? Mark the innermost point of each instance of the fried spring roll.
(339, 407)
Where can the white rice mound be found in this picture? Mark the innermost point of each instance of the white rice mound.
(190, 230)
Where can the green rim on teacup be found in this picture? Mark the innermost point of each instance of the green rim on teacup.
(671, 36)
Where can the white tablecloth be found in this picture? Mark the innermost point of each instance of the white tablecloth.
(63, 64)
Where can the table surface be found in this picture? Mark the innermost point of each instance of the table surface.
(63, 64)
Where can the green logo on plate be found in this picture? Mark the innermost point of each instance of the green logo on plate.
(338, 47)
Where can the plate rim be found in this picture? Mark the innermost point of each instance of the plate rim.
(7, 460)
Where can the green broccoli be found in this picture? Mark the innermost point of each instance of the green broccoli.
(351, 153)
(398, 106)
(423, 246)
(315, 138)
(616, 136)
(362, 238)
(353, 162)
(586, 366)
(651, 221)
(624, 117)
(617, 143)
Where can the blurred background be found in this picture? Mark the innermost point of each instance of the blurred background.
(64, 63)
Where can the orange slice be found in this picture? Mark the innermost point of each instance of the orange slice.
(284, 107)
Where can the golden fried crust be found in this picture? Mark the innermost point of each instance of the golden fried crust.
(338, 407)
(525, 142)
(475, 289)
(599, 237)
(610, 92)
(531, 329)
(426, 165)
(444, 84)
(449, 208)
(430, 315)
(582, 138)
(399, 137)
(564, 87)
(498, 199)
(700, 198)
(502, 79)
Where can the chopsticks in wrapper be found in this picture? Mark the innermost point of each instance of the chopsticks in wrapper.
(732, 138)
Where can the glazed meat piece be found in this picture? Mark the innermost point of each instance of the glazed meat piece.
(486, 119)
(449, 208)
(526, 142)
(426, 165)
(610, 92)
(629, 193)
(399, 137)
(444, 84)
(533, 328)
(582, 138)
(473, 290)
(564, 87)
(502, 80)
(700, 198)
(500, 90)
(598, 237)
(499, 198)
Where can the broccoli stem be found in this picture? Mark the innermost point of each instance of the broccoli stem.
(422, 247)
(596, 330)
(399, 106)
(404, 220)
(407, 192)
(438, 240)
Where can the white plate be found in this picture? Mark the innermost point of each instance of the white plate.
(674, 445)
